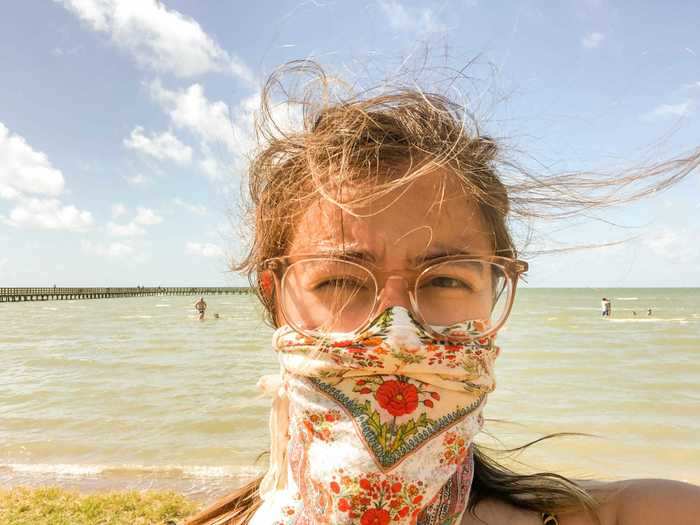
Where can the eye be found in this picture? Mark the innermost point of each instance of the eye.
(448, 282)
(339, 282)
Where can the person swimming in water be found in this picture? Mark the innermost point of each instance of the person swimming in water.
(201, 307)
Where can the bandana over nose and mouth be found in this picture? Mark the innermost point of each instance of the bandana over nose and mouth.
(376, 427)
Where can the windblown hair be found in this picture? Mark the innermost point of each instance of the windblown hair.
(382, 140)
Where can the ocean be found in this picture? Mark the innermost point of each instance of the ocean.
(136, 393)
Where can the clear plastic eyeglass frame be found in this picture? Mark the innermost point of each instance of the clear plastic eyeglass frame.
(278, 267)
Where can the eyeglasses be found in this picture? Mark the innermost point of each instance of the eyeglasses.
(320, 294)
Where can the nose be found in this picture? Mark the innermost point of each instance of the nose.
(394, 293)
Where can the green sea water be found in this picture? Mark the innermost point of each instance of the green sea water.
(136, 393)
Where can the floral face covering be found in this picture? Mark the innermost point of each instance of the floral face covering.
(374, 428)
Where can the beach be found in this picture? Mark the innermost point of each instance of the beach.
(135, 393)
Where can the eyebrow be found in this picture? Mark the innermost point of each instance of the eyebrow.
(355, 253)
(343, 253)
(440, 252)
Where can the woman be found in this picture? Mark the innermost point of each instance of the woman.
(382, 253)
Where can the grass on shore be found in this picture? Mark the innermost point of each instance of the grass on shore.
(56, 506)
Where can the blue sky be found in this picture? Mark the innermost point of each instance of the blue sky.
(124, 124)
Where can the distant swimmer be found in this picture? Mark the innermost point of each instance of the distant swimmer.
(634, 313)
(605, 307)
(201, 307)
(216, 316)
(649, 311)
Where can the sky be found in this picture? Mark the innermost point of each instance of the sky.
(125, 125)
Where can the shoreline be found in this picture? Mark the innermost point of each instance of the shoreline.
(199, 489)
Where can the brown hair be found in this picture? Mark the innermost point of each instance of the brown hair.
(382, 141)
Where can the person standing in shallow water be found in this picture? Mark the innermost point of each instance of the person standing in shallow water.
(201, 307)
(605, 307)
(365, 221)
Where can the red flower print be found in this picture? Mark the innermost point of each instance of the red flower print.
(341, 344)
(375, 517)
(365, 390)
(374, 498)
(397, 398)
(435, 396)
(335, 487)
(428, 403)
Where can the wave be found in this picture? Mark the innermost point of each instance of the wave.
(70, 470)
(136, 317)
(162, 306)
(682, 320)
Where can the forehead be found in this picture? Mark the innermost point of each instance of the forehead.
(431, 214)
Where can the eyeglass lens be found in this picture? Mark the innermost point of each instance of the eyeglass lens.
(336, 295)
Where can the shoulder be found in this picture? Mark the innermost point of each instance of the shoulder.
(654, 501)
(649, 501)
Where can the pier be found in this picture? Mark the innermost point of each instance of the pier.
(65, 294)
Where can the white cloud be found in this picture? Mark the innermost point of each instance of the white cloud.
(135, 227)
(112, 250)
(164, 146)
(8, 193)
(159, 38)
(147, 217)
(191, 110)
(137, 179)
(226, 134)
(205, 249)
(411, 19)
(592, 40)
(197, 209)
(26, 173)
(215, 167)
(48, 214)
(671, 110)
(676, 245)
(118, 210)
(130, 229)
(24, 170)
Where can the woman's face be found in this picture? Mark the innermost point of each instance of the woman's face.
(396, 232)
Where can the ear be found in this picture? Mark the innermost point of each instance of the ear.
(267, 284)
